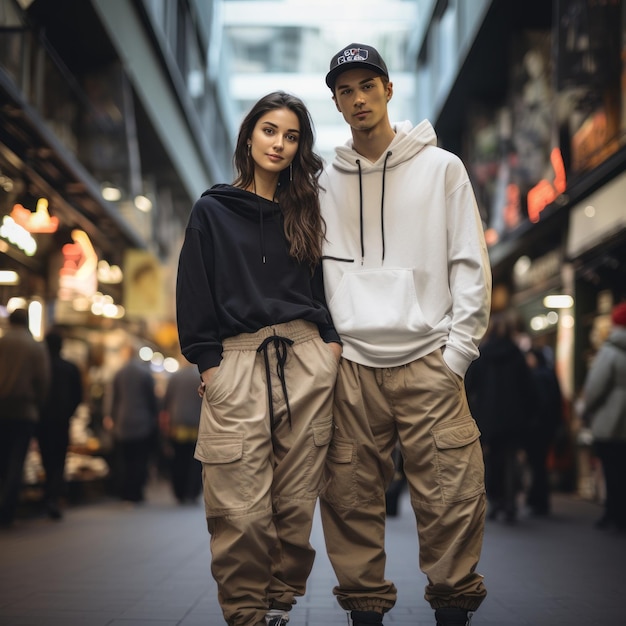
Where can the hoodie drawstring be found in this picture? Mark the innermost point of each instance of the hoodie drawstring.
(280, 346)
(358, 162)
(261, 234)
(382, 205)
(382, 208)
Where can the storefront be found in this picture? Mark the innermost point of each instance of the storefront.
(537, 111)
(596, 248)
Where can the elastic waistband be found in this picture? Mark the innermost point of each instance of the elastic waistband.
(298, 331)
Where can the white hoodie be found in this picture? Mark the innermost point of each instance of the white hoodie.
(405, 263)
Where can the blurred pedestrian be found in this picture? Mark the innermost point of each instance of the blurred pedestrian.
(252, 316)
(24, 383)
(502, 399)
(133, 419)
(604, 394)
(543, 426)
(408, 285)
(64, 397)
(180, 419)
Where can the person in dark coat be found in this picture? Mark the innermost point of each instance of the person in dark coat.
(66, 393)
(502, 399)
(604, 392)
(543, 427)
(133, 419)
(181, 417)
(24, 381)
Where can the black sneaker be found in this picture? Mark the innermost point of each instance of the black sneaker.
(366, 618)
(453, 617)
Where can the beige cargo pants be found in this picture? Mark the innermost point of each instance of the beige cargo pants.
(423, 405)
(263, 460)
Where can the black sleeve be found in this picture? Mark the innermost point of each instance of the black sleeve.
(198, 328)
(327, 331)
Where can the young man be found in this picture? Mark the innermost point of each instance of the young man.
(408, 284)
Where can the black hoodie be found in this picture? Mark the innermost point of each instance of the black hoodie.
(235, 275)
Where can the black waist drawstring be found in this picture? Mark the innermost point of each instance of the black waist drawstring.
(280, 345)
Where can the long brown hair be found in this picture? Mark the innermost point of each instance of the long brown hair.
(298, 186)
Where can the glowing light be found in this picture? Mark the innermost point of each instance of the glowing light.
(491, 236)
(35, 319)
(170, 365)
(18, 236)
(109, 274)
(143, 203)
(145, 353)
(38, 222)
(552, 317)
(9, 277)
(539, 322)
(522, 265)
(111, 193)
(16, 303)
(558, 301)
(545, 192)
(109, 310)
(80, 262)
(157, 359)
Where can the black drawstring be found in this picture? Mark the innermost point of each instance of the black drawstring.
(280, 345)
(358, 162)
(261, 234)
(382, 205)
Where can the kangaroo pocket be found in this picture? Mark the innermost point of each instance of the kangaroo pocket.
(369, 301)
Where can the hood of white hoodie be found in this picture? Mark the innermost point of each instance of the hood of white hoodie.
(407, 143)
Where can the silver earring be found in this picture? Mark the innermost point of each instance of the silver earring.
(249, 148)
(290, 172)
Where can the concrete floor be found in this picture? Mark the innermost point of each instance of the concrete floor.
(108, 564)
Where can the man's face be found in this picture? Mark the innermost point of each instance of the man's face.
(361, 97)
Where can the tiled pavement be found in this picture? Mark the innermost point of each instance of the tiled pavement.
(106, 564)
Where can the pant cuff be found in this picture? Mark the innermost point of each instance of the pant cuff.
(281, 606)
(467, 604)
(366, 604)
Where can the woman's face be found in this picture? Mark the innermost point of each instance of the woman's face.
(274, 140)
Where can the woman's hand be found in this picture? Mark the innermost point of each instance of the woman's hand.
(337, 349)
(205, 378)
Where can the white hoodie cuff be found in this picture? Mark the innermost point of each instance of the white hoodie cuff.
(456, 361)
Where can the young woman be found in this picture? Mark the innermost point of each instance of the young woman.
(252, 316)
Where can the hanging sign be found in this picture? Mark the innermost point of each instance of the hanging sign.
(39, 221)
(78, 274)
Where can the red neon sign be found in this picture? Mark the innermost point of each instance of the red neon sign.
(39, 221)
(545, 192)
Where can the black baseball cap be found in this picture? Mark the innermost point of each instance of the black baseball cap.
(353, 56)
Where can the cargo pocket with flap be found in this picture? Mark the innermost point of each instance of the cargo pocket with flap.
(226, 481)
(459, 460)
(341, 488)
